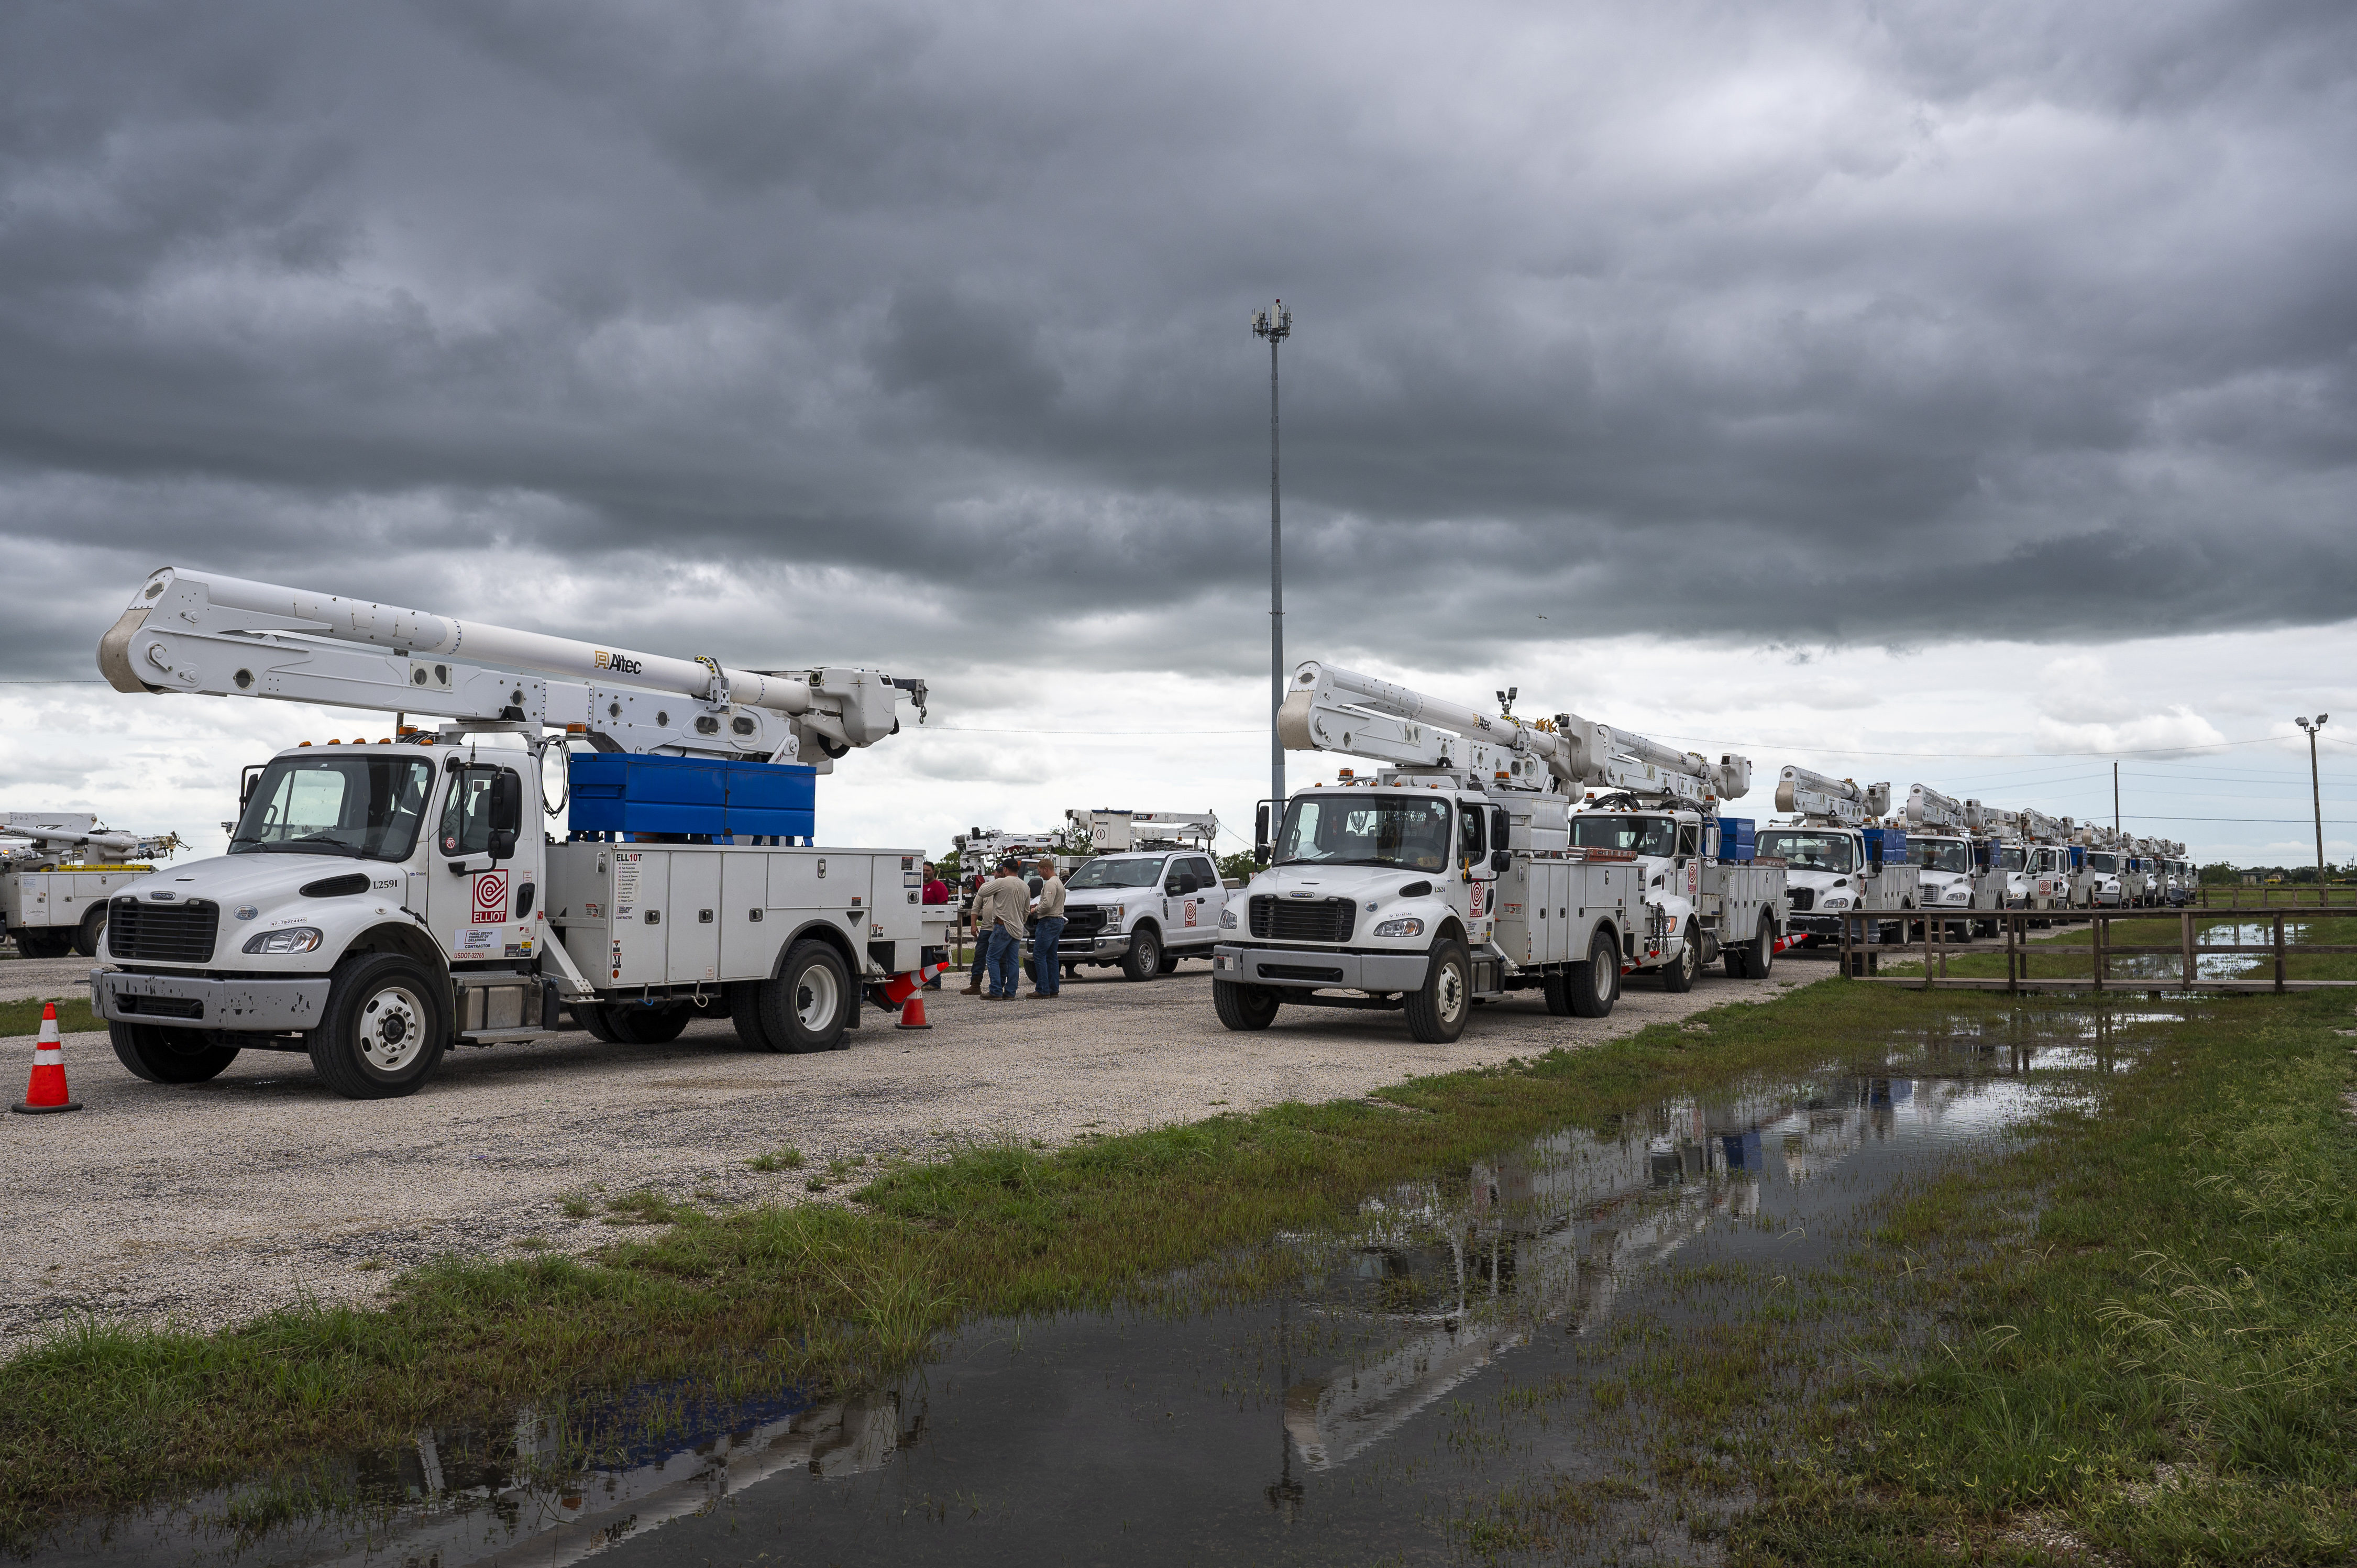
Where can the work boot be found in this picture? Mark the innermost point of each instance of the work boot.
(971, 991)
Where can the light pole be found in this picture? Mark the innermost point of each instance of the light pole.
(1276, 325)
(2315, 793)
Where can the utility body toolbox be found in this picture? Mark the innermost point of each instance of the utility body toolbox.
(712, 797)
(650, 915)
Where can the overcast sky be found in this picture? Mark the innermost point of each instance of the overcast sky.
(1969, 387)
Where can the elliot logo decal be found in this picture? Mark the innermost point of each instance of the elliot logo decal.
(621, 664)
(491, 898)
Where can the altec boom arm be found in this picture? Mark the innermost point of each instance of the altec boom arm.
(1928, 811)
(1332, 709)
(204, 633)
(1837, 800)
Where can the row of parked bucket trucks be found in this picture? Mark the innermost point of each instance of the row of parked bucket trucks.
(627, 839)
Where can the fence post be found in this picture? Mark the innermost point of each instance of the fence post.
(1927, 951)
(2096, 932)
(2012, 958)
(2279, 955)
(2188, 947)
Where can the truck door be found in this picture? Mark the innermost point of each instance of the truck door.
(1195, 916)
(478, 908)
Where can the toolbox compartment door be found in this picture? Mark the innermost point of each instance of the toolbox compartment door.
(693, 917)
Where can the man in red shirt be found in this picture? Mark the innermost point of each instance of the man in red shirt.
(936, 892)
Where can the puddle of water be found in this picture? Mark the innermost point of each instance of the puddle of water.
(2214, 965)
(1462, 1338)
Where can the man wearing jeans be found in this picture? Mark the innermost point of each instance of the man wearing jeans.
(1046, 931)
(1009, 900)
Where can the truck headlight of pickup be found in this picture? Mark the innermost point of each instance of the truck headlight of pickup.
(1410, 927)
(1228, 917)
(288, 938)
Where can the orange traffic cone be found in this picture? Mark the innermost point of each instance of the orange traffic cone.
(912, 1013)
(46, 1091)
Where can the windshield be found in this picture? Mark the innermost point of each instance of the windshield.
(2009, 858)
(1808, 851)
(1108, 872)
(1412, 834)
(1611, 829)
(369, 807)
(1940, 854)
(2103, 862)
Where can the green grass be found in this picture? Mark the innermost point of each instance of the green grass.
(24, 1017)
(786, 1159)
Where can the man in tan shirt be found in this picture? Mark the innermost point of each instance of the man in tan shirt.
(1047, 930)
(999, 909)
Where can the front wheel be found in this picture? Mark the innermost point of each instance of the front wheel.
(1143, 959)
(1243, 1007)
(169, 1056)
(807, 1006)
(1764, 950)
(1437, 1010)
(1680, 973)
(384, 1028)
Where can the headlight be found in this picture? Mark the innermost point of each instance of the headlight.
(1959, 894)
(1410, 927)
(1114, 914)
(1837, 903)
(289, 939)
(1228, 917)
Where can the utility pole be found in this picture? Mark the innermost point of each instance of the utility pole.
(2315, 793)
(2116, 797)
(1276, 325)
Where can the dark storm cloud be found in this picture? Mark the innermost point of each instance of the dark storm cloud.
(1795, 323)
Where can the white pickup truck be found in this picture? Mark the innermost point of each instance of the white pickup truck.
(1143, 911)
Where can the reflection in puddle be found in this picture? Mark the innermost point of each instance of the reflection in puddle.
(1364, 1414)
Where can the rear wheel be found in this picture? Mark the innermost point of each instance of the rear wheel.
(591, 1016)
(1243, 1006)
(1591, 987)
(1555, 986)
(92, 932)
(1437, 1009)
(1679, 973)
(169, 1056)
(384, 1028)
(807, 1006)
(745, 1012)
(1764, 950)
(1144, 960)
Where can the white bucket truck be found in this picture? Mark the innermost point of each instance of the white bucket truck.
(381, 902)
(1446, 877)
(1838, 856)
(1958, 877)
(1148, 898)
(58, 869)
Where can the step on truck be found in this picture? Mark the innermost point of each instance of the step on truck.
(1840, 855)
(383, 901)
(1446, 877)
(1148, 898)
(59, 869)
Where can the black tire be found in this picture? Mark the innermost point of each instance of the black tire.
(1169, 964)
(45, 942)
(1030, 971)
(807, 1006)
(384, 1028)
(91, 932)
(1243, 1007)
(1437, 1009)
(745, 1012)
(1759, 958)
(1071, 970)
(591, 1016)
(1143, 959)
(1737, 959)
(158, 1055)
(636, 1024)
(1591, 988)
(1681, 975)
(1555, 986)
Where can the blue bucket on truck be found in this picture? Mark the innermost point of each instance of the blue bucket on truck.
(1739, 839)
(623, 792)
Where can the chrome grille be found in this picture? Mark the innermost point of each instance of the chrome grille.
(1801, 897)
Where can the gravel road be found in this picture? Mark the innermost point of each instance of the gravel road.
(207, 1204)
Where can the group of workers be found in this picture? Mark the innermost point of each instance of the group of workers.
(1002, 909)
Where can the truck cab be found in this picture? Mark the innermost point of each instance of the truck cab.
(2100, 881)
(1145, 910)
(1832, 870)
(1957, 875)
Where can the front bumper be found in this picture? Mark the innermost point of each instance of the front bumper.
(196, 1002)
(1319, 969)
(1819, 925)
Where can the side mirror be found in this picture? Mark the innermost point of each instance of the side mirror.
(1502, 860)
(506, 805)
(502, 843)
(1186, 884)
(1501, 828)
(1260, 833)
(245, 786)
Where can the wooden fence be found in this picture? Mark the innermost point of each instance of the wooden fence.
(1861, 949)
